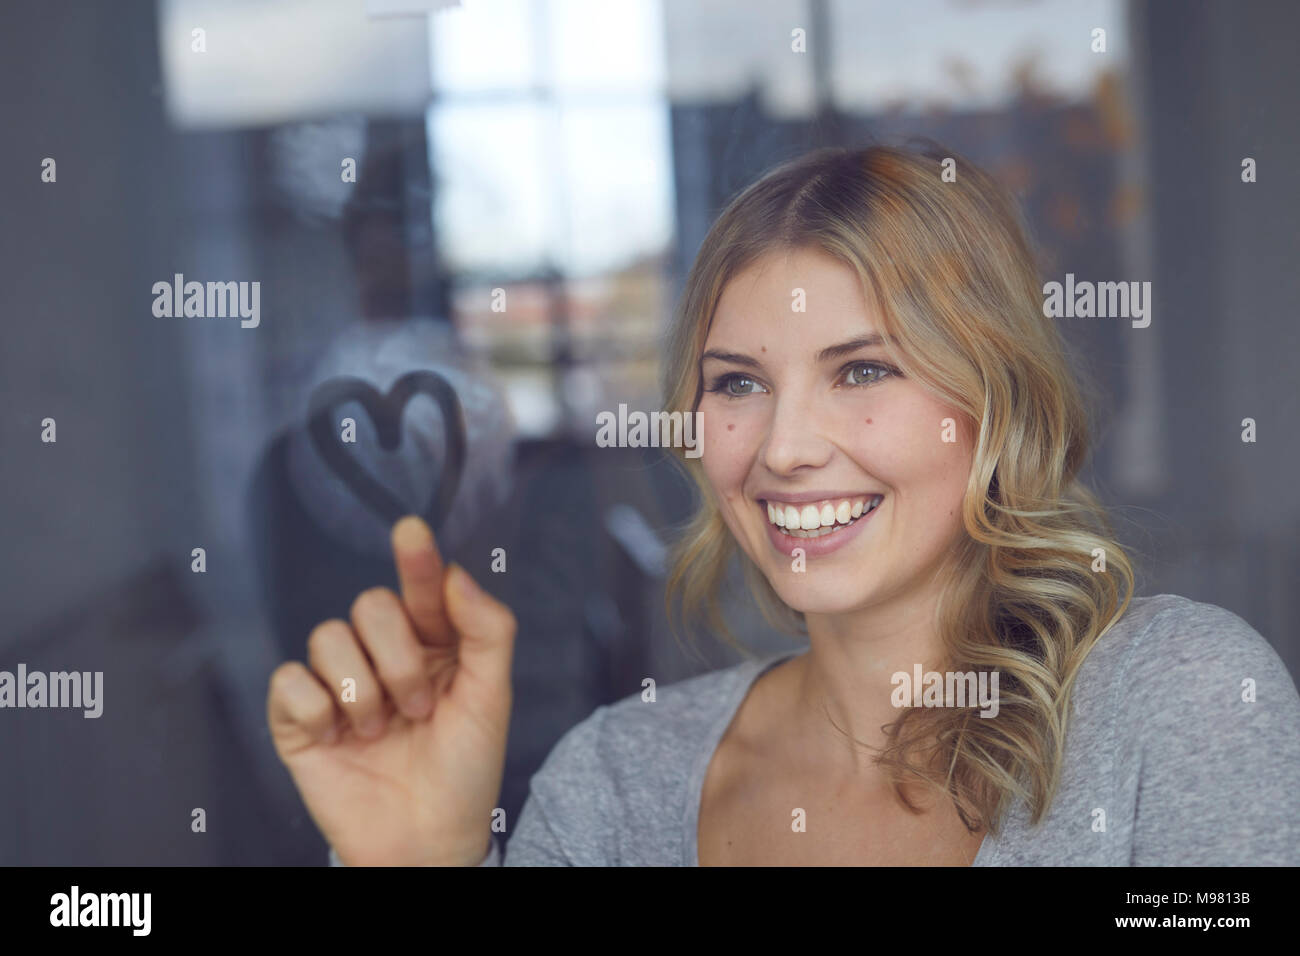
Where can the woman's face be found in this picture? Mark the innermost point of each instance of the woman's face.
(798, 417)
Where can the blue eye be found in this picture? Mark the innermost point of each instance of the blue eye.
(737, 385)
(723, 384)
(885, 370)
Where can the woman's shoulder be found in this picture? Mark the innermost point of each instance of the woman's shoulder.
(1176, 683)
(1168, 638)
(1186, 703)
(1169, 655)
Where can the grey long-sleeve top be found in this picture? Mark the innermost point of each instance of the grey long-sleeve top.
(1162, 738)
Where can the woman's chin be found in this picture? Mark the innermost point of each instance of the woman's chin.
(818, 599)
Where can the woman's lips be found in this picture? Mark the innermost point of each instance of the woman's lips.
(819, 546)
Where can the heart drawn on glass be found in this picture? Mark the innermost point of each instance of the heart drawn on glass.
(386, 412)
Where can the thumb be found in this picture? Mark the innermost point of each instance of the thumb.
(486, 627)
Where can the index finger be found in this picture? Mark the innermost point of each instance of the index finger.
(420, 571)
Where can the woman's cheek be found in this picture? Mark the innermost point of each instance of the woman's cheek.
(726, 438)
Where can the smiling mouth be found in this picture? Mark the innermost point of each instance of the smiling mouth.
(820, 519)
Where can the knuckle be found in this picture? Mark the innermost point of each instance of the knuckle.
(292, 693)
(364, 709)
(373, 601)
(318, 711)
(283, 679)
(399, 671)
(325, 635)
(399, 666)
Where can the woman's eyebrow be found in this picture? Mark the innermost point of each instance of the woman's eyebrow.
(825, 355)
(849, 347)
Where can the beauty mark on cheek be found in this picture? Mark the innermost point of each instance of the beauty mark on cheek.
(731, 426)
(868, 421)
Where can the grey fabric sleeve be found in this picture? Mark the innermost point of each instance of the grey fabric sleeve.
(1216, 772)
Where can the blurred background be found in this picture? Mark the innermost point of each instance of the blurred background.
(509, 193)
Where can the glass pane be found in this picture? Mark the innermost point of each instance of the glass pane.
(930, 53)
(617, 205)
(485, 45)
(492, 198)
(719, 52)
(603, 47)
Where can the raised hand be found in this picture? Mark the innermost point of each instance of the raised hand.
(410, 771)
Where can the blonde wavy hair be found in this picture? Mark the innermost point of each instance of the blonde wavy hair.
(957, 293)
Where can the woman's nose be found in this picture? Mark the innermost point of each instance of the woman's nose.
(795, 436)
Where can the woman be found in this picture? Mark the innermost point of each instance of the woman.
(891, 438)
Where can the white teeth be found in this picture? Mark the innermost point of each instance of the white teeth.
(820, 519)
